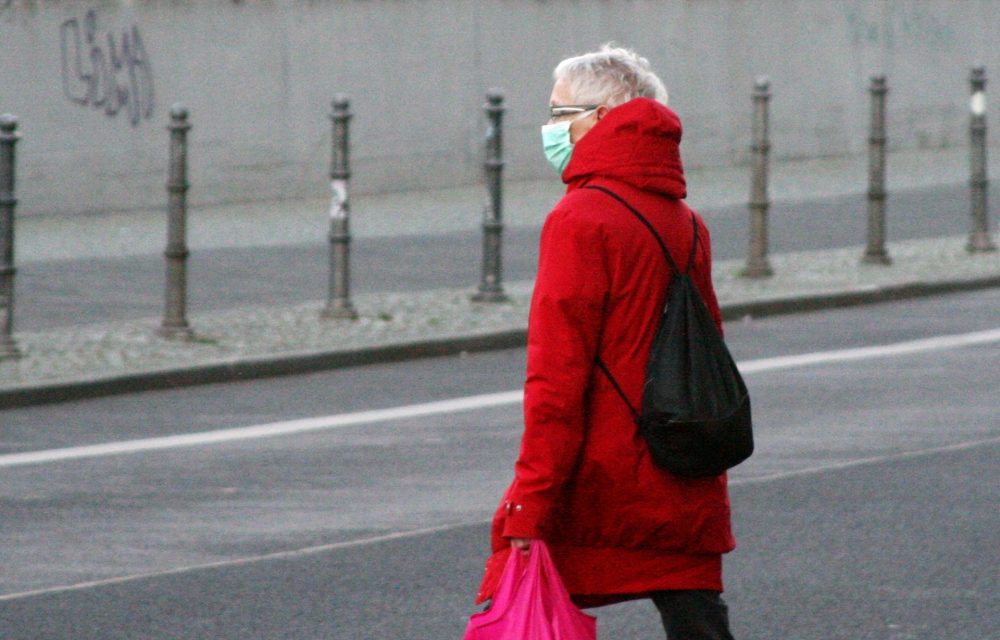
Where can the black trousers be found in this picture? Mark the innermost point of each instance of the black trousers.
(693, 615)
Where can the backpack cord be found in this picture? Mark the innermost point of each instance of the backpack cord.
(673, 266)
(644, 221)
(614, 383)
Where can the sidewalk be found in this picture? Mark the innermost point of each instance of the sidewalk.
(247, 342)
(116, 234)
(251, 342)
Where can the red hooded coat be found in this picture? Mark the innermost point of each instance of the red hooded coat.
(618, 527)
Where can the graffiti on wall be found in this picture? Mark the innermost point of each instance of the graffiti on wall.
(901, 23)
(107, 71)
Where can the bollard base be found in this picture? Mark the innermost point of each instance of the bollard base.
(877, 258)
(9, 350)
(761, 269)
(179, 332)
(980, 242)
(340, 311)
(496, 295)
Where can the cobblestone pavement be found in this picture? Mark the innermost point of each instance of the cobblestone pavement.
(255, 341)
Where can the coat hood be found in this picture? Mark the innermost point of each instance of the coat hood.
(637, 143)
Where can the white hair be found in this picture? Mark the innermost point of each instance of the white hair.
(611, 76)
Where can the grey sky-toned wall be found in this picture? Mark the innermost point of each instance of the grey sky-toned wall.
(92, 82)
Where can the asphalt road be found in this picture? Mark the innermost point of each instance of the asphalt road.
(60, 293)
(868, 511)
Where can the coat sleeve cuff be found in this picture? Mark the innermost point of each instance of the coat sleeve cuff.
(523, 520)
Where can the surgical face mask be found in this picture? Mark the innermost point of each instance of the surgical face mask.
(556, 142)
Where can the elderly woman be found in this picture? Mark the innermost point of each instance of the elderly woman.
(618, 526)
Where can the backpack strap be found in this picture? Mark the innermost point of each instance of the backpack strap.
(645, 222)
(670, 261)
(694, 244)
(614, 383)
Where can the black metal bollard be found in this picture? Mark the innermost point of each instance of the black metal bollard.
(758, 265)
(8, 139)
(491, 285)
(875, 252)
(979, 239)
(338, 303)
(175, 324)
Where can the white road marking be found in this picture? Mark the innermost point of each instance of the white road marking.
(416, 533)
(294, 553)
(849, 464)
(469, 403)
(937, 343)
(270, 430)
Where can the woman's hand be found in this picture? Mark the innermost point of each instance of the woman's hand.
(524, 544)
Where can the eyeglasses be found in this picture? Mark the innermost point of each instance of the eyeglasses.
(563, 110)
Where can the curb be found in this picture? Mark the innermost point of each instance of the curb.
(255, 367)
(842, 299)
(309, 362)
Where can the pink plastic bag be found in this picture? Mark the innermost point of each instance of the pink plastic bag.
(531, 603)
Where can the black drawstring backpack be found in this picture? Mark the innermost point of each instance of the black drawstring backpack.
(695, 407)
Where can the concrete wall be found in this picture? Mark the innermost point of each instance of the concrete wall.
(258, 77)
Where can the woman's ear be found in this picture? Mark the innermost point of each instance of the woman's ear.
(601, 112)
